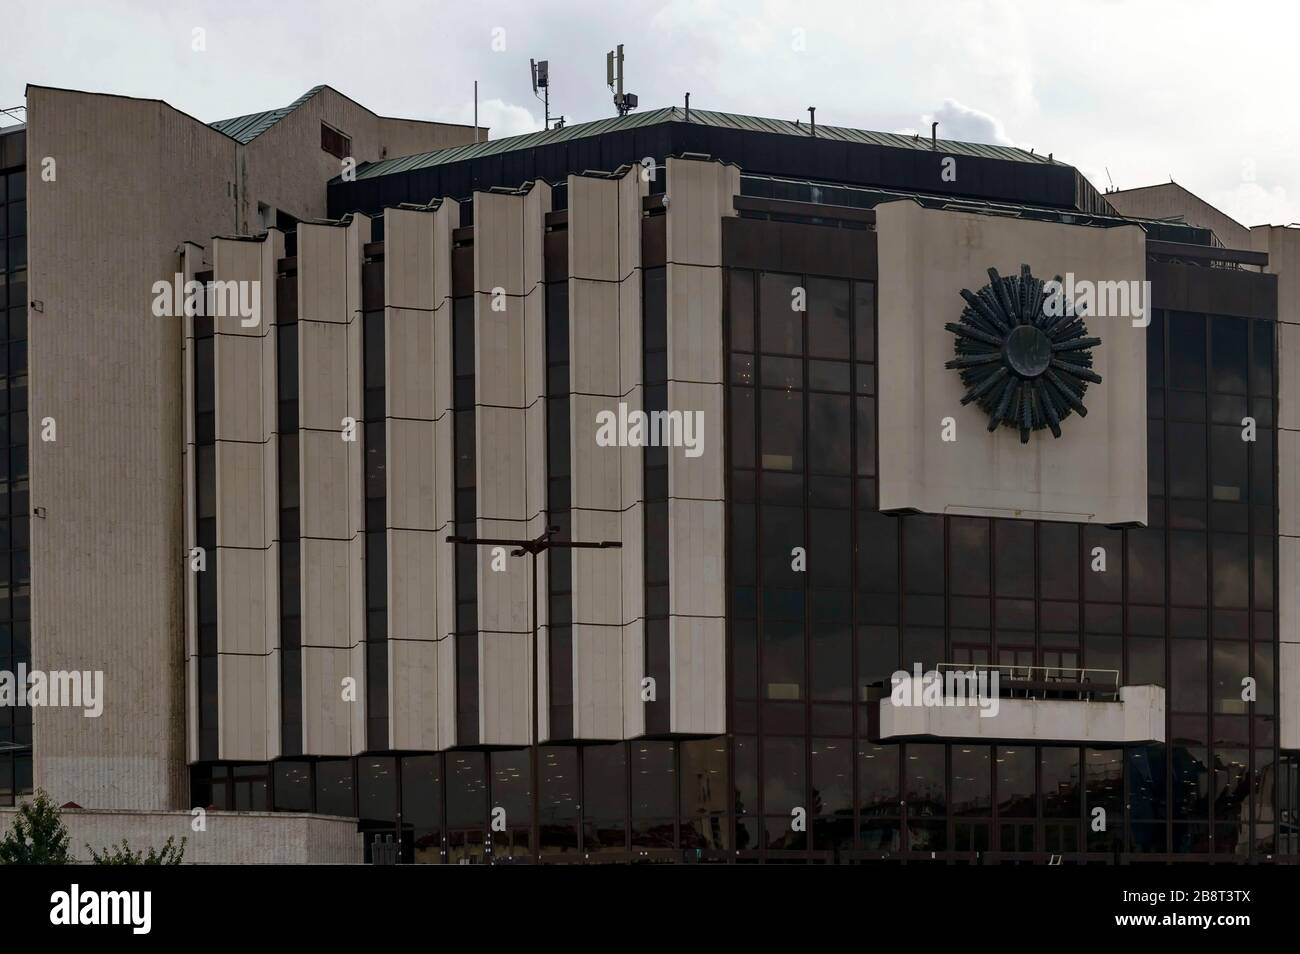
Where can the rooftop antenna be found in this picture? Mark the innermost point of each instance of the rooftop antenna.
(1109, 179)
(541, 70)
(476, 110)
(623, 102)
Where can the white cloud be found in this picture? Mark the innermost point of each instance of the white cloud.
(1251, 203)
(502, 118)
(964, 124)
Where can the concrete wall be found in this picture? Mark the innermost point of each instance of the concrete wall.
(285, 167)
(134, 179)
(231, 838)
(1170, 200)
(926, 258)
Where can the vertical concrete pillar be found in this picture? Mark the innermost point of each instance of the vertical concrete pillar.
(333, 603)
(417, 395)
(605, 371)
(509, 329)
(700, 194)
(248, 605)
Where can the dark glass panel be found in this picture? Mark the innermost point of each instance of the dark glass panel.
(704, 788)
(971, 780)
(832, 777)
(1187, 351)
(1228, 351)
(923, 553)
(740, 309)
(1015, 781)
(968, 541)
(828, 318)
(781, 426)
(1014, 558)
(924, 780)
(780, 326)
(830, 435)
(783, 776)
(1060, 782)
(334, 787)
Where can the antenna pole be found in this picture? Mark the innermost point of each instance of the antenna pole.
(476, 110)
(623, 102)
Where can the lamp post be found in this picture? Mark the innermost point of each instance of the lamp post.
(535, 547)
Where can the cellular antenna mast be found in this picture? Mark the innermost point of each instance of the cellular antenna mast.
(623, 102)
(541, 70)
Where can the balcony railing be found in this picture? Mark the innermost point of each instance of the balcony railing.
(1041, 682)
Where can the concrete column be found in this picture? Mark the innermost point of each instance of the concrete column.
(700, 194)
(417, 395)
(509, 315)
(333, 548)
(247, 561)
(605, 370)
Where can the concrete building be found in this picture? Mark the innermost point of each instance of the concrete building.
(608, 493)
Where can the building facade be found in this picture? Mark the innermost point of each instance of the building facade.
(802, 405)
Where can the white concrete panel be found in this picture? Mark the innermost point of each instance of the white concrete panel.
(505, 696)
(593, 228)
(412, 684)
(695, 462)
(595, 471)
(598, 682)
(927, 256)
(327, 717)
(326, 592)
(324, 462)
(249, 707)
(698, 669)
(695, 562)
(410, 474)
(248, 609)
(594, 351)
(700, 195)
(1138, 717)
(1288, 482)
(1289, 680)
(694, 321)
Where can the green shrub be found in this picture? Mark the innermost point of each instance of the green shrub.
(38, 836)
(170, 854)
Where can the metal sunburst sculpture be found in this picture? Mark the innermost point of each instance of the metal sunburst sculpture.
(1024, 355)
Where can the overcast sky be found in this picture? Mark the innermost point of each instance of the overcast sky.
(1203, 92)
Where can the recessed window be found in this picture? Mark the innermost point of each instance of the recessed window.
(335, 142)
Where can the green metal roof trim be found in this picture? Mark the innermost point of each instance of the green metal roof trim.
(701, 117)
(247, 128)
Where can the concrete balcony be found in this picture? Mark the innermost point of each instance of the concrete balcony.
(1022, 704)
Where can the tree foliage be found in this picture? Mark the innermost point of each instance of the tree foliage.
(37, 836)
